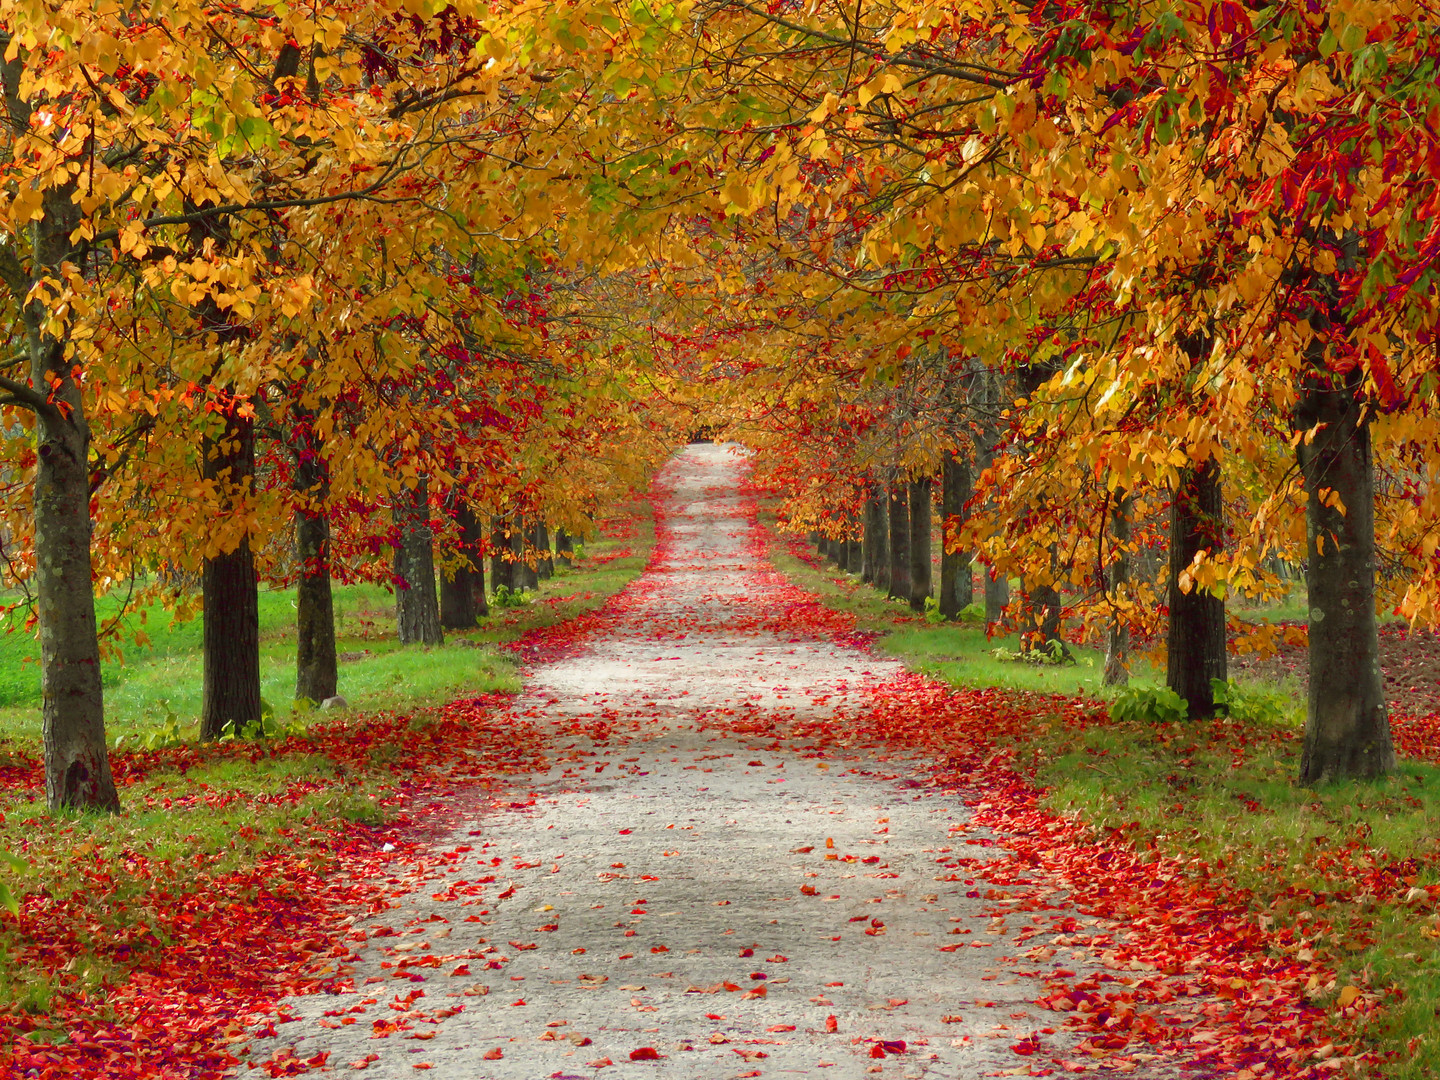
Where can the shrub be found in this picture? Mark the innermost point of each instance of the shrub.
(1157, 704)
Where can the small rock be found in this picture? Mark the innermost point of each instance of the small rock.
(336, 702)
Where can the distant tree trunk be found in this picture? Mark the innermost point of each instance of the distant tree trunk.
(854, 549)
(986, 400)
(921, 515)
(957, 589)
(546, 566)
(521, 547)
(1117, 637)
(875, 550)
(230, 602)
(462, 590)
(316, 663)
(1347, 726)
(564, 549)
(502, 568)
(997, 596)
(899, 518)
(1042, 614)
(416, 608)
(1195, 645)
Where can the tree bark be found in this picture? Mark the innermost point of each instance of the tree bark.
(1042, 615)
(520, 548)
(462, 589)
(316, 664)
(957, 589)
(1117, 636)
(921, 514)
(77, 765)
(564, 549)
(502, 570)
(1195, 644)
(231, 595)
(876, 552)
(997, 596)
(1347, 725)
(416, 609)
(899, 519)
(545, 568)
(854, 550)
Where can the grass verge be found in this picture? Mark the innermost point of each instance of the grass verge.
(1348, 872)
(221, 830)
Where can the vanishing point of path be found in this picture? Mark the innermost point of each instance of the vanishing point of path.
(677, 897)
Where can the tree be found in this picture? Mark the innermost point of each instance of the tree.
(416, 608)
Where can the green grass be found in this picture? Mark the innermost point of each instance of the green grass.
(151, 685)
(1223, 792)
(959, 654)
(150, 858)
(179, 831)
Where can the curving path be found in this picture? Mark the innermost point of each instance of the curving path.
(672, 891)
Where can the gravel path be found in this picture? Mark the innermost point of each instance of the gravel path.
(677, 898)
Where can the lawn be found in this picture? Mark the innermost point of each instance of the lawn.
(208, 829)
(1350, 872)
(157, 685)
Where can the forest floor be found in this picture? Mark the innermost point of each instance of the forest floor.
(721, 835)
(1409, 662)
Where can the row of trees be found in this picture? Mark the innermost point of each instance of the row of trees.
(1195, 244)
(1153, 276)
(284, 295)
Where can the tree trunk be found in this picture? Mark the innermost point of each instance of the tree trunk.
(416, 609)
(854, 552)
(1195, 645)
(564, 549)
(1117, 637)
(957, 589)
(231, 596)
(502, 570)
(1347, 726)
(316, 664)
(520, 548)
(546, 567)
(472, 532)
(987, 394)
(997, 596)
(1042, 615)
(920, 521)
(899, 518)
(875, 552)
(77, 766)
(462, 590)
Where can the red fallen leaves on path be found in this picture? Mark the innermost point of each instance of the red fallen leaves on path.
(199, 983)
(1188, 971)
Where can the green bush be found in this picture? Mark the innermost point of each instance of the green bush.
(1053, 654)
(1158, 704)
(509, 598)
(1255, 704)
